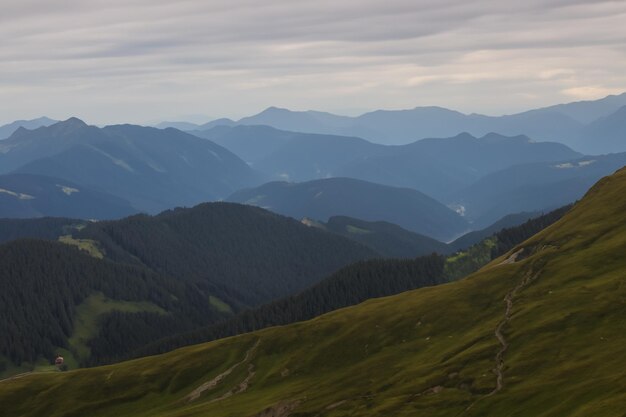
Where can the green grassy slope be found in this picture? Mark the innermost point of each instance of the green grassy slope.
(430, 352)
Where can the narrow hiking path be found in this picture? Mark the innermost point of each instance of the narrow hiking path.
(504, 344)
(195, 394)
(239, 388)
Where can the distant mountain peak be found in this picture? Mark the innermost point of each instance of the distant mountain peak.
(464, 136)
(73, 121)
(66, 126)
(274, 109)
(497, 137)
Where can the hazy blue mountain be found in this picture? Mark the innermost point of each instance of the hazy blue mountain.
(605, 135)
(533, 187)
(298, 121)
(589, 110)
(26, 195)
(322, 199)
(405, 126)
(313, 156)
(26, 145)
(8, 129)
(218, 122)
(441, 167)
(402, 126)
(560, 123)
(154, 169)
(177, 125)
(437, 167)
(250, 143)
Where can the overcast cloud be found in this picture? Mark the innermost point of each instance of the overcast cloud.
(110, 61)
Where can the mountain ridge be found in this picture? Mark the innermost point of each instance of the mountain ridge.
(322, 199)
(153, 169)
(560, 122)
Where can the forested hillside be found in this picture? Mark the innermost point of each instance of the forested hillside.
(43, 284)
(362, 281)
(137, 280)
(248, 255)
(348, 286)
(189, 270)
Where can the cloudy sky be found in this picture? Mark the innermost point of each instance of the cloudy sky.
(110, 61)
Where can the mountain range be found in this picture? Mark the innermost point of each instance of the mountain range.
(537, 331)
(437, 167)
(565, 123)
(484, 178)
(152, 169)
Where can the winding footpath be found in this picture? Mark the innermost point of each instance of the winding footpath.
(504, 345)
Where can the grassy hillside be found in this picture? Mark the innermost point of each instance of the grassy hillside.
(540, 331)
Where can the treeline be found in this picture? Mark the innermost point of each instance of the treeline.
(349, 286)
(43, 282)
(465, 262)
(507, 239)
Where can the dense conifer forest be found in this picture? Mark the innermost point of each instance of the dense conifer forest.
(43, 282)
(249, 255)
(349, 286)
(208, 271)
(362, 281)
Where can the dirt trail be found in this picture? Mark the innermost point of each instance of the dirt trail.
(504, 345)
(239, 388)
(512, 258)
(195, 394)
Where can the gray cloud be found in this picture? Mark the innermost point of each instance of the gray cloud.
(113, 61)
